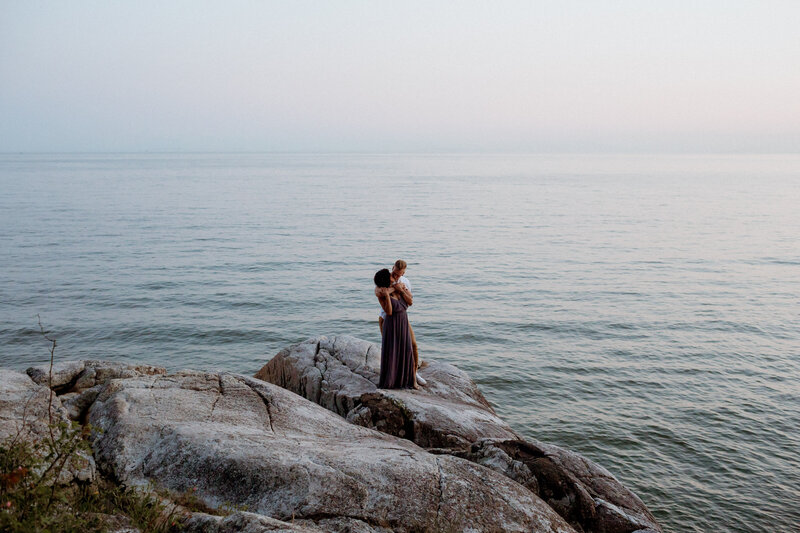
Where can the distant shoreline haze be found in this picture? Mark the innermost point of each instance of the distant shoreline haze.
(411, 76)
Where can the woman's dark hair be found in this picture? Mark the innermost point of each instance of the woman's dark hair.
(383, 278)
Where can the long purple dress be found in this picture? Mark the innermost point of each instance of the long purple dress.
(397, 358)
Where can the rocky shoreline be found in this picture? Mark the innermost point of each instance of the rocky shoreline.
(311, 444)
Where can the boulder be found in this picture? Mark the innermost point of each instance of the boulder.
(79, 382)
(450, 416)
(341, 374)
(77, 376)
(32, 413)
(24, 410)
(581, 491)
(237, 441)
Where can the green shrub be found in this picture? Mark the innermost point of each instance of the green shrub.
(33, 500)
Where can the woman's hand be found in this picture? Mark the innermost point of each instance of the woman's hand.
(402, 291)
(383, 294)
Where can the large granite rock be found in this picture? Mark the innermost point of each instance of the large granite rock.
(24, 411)
(79, 382)
(581, 491)
(242, 442)
(32, 413)
(75, 376)
(450, 416)
(341, 374)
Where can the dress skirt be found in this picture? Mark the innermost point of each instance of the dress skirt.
(397, 357)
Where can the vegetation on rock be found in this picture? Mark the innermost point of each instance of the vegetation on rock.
(33, 499)
(42, 489)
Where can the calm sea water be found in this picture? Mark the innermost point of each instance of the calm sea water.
(642, 310)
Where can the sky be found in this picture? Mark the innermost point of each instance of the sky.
(411, 76)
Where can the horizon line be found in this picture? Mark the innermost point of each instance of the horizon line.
(373, 152)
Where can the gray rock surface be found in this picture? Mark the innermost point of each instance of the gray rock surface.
(77, 403)
(24, 407)
(30, 412)
(242, 522)
(341, 374)
(581, 491)
(247, 443)
(77, 376)
(450, 416)
(79, 382)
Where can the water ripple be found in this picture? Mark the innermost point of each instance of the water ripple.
(642, 316)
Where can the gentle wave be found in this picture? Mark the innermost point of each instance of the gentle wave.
(644, 317)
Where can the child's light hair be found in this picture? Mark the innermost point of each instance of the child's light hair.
(400, 265)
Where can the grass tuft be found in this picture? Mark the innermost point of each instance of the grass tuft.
(34, 496)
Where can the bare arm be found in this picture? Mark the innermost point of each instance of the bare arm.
(384, 300)
(401, 290)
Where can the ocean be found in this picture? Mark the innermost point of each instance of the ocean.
(643, 310)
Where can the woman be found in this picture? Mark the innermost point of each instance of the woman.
(397, 356)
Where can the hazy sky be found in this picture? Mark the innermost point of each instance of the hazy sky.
(428, 76)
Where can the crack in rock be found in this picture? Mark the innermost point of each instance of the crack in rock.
(441, 493)
(264, 400)
(219, 396)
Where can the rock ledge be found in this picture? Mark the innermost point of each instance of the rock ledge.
(311, 444)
